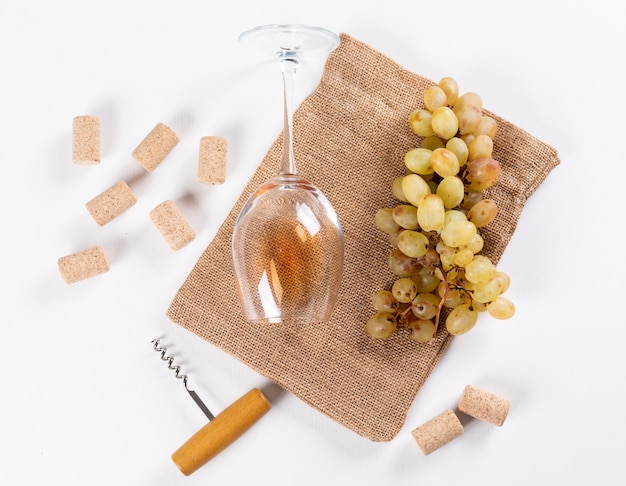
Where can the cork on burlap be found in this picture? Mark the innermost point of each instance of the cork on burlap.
(350, 137)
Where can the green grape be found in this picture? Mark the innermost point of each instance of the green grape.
(484, 292)
(471, 197)
(431, 213)
(432, 143)
(453, 297)
(467, 138)
(393, 239)
(424, 305)
(415, 188)
(417, 160)
(420, 122)
(384, 221)
(469, 98)
(404, 290)
(383, 300)
(505, 281)
(445, 250)
(463, 257)
(455, 276)
(444, 162)
(425, 279)
(501, 308)
(482, 173)
(431, 258)
(480, 269)
(480, 148)
(458, 233)
(412, 243)
(406, 216)
(400, 264)
(451, 190)
(434, 97)
(479, 306)
(396, 189)
(487, 126)
(469, 117)
(447, 262)
(450, 88)
(475, 244)
(421, 330)
(381, 325)
(444, 122)
(454, 215)
(483, 212)
(459, 148)
(461, 319)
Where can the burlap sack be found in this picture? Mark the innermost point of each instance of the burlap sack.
(351, 134)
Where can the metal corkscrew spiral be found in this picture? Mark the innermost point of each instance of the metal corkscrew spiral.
(181, 376)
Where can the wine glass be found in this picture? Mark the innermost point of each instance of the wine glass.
(287, 242)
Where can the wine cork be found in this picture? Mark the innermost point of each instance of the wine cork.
(86, 140)
(172, 225)
(83, 264)
(111, 203)
(483, 405)
(212, 160)
(155, 146)
(438, 431)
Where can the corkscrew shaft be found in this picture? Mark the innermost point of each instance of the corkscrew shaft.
(201, 404)
(180, 376)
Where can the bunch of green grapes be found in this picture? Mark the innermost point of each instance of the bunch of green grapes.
(435, 229)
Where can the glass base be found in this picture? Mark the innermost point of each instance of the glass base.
(295, 38)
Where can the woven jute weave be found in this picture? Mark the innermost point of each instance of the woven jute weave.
(350, 137)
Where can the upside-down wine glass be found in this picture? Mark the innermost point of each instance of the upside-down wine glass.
(287, 242)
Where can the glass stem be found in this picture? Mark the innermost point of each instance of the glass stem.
(288, 66)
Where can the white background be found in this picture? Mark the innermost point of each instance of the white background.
(85, 399)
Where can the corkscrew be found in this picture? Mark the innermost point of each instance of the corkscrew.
(222, 430)
(180, 376)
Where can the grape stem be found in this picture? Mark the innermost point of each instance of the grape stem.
(441, 302)
(401, 316)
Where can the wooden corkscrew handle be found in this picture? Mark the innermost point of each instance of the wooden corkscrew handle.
(222, 431)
